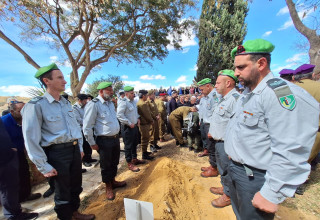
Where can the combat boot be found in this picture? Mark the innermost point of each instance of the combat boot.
(109, 192)
(79, 216)
(132, 167)
(135, 161)
(212, 172)
(204, 153)
(146, 156)
(116, 184)
(217, 190)
(157, 147)
(221, 202)
(205, 168)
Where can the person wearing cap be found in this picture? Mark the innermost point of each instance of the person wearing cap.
(127, 114)
(163, 115)
(269, 136)
(154, 130)
(207, 103)
(78, 109)
(53, 141)
(287, 74)
(225, 86)
(121, 96)
(146, 122)
(100, 121)
(303, 78)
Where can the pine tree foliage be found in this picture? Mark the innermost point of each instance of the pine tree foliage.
(222, 27)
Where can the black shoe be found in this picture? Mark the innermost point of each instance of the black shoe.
(153, 149)
(92, 160)
(190, 148)
(157, 147)
(33, 196)
(83, 170)
(48, 193)
(149, 153)
(24, 215)
(147, 157)
(87, 164)
(177, 143)
(183, 145)
(300, 190)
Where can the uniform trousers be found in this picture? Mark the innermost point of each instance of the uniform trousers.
(66, 159)
(109, 151)
(162, 126)
(9, 188)
(208, 143)
(176, 128)
(242, 191)
(130, 140)
(154, 133)
(194, 140)
(223, 164)
(87, 151)
(204, 135)
(24, 177)
(145, 136)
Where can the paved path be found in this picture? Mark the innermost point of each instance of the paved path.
(91, 180)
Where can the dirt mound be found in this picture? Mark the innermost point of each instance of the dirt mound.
(176, 190)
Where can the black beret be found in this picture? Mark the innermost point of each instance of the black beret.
(143, 92)
(82, 96)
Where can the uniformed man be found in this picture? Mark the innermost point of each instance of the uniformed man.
(286, 74)
(146, 121)
(127, 114)
(163, 115)
(53, 141)
(225, 86)
(100, 119)
(268, 161)
(78, 109)
(176, 120)
(154, 130)
(121, 96)
(207, 103)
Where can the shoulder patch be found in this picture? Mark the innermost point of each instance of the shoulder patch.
(283, 92)
(95, 100)
(35, 99)
(236, 95)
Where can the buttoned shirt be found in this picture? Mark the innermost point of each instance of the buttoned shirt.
(222, 114)
(100, 115)
(265, 135)
(206, 106)
(78, 113)
(127, 112)
(46, 122)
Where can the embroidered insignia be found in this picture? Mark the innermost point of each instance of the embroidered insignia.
(288, 102)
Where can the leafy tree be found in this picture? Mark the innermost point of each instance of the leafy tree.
(90, 33)
(222, 27)
(117, 84)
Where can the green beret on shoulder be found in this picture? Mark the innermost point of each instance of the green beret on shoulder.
(204, 81)
(258, 46)
(104, 85)
(45, 69)
(128, 88)
(229, 73)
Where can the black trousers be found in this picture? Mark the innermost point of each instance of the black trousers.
(223, 165)
(204, 135)
(9, 188)
(109, 151)
(24, 177)
(67, 161)
(87, 151)
(208, 143)
(130, 140)
(242, 191)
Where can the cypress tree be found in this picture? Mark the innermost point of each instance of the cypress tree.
(222, 27)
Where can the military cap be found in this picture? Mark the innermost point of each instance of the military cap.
(90, 96)
(128, 88)
(286, 72)
(229, 73)
(82, 96)
(163, 94)
(204, 81)
(121, 92)
(150, 92)
(304, 68)
(45, 69)
(173, 92)
(143, 92)
(104, 85)
(257, 46)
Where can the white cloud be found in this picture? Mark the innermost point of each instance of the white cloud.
(15, 90)
(195, 68)
(124, 77)
(295, 58)
(266, 34)
(53, 59)
(184, 85)
(152, 77)
(138, 85)
(288, 66)
(187, 39)
(84, 87)
(286, 25)
(283, 11)
(185, 50)
(182, 79)
(303, 14)
(291, 62)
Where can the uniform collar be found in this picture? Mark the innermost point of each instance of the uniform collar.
(261, 86)
(102, 100)
(77, 104)
(51, 99)
(229, 94)
(212, 93)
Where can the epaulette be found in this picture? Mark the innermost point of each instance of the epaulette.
(236, 95)
(283, 92)
(95, 100)
(35, 99)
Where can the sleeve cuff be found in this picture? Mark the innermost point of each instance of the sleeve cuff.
(270, 195)
(46, 168)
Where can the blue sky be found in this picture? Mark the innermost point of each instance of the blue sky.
(266, 19)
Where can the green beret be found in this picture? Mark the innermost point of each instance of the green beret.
(229, 73)
(104, 85)
(128, 88)
(258, 46)
(204, 81)
(45, 69)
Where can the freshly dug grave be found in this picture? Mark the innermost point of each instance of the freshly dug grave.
(173, 184)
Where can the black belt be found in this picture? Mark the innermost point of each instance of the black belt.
(68, 144)
(206, 123)
(219, 141)
(109, 137)
(248, 168)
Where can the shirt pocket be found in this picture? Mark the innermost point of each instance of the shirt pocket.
(104, 117)
(53, 118)
(250, 120)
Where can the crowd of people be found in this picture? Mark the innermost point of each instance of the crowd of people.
(261, 140)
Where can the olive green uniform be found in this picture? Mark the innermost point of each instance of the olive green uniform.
(163, 117)
(176, 119)
(154, 129)
(313, 87)
(145, 123)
